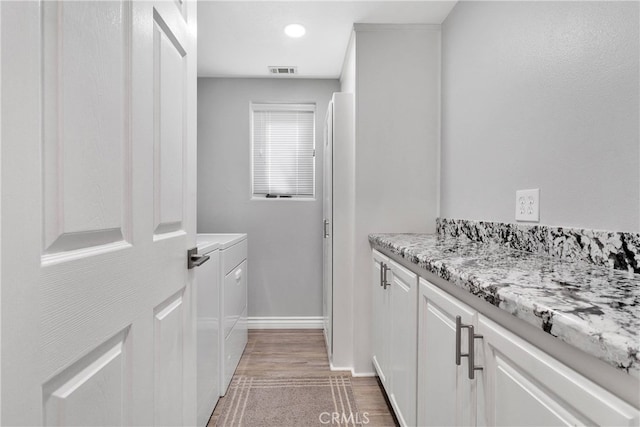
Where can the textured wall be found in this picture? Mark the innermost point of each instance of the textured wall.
(542, 95)
(285, 237)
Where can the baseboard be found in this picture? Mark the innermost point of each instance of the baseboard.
(339, 368)
(362, 374)
(307, 322)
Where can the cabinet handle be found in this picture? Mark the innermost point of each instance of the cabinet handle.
(459, 327)
(384, 276)
(471, 354)
(472, 365)
(381, 273)
(325, 232)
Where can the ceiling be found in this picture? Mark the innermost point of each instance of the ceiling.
(242, 38)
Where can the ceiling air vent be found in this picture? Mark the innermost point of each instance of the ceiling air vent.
(283, 70)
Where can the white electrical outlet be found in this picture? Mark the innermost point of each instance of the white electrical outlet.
(528, 205)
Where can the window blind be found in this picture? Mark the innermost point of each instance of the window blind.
(283, 149)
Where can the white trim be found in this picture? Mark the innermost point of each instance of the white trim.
(362, 374)
(360, 27)
(340, 368)
(289, 322)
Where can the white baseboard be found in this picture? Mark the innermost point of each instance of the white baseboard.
(340, 368)
(362, 374)
(307, 322)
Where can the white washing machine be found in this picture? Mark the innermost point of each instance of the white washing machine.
(232, 304)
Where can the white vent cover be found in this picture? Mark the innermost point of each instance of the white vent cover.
(280, 70)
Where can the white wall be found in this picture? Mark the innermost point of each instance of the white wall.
(285, 237)
(397, 123)
(542, 95)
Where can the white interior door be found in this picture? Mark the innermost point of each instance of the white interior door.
(98, 210)
(327, 214)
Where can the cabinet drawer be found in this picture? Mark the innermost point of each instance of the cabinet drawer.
(235, 296)
(233, 256)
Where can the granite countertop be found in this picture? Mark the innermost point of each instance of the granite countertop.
(592, 308)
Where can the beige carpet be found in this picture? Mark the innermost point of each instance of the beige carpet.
(290, 402)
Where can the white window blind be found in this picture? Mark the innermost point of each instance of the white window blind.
(283, 149)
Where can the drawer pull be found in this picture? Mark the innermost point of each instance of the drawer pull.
(238, 274)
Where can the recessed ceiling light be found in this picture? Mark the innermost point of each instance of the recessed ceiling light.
(294, 30)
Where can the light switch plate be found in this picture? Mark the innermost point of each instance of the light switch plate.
(528, 205)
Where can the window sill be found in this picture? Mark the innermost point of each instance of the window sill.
(282, 199)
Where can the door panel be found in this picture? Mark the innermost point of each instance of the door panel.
(169, 91)
(99, 381)
(85, 144)
(101, 308)
(168, 360)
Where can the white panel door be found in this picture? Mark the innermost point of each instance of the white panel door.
(403, 342)
(98, 210)
(526, 387)
(327, 241)
(446, 395)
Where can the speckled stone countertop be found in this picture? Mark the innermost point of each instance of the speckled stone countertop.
(592, 308)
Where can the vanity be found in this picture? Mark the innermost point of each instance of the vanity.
(477, 333)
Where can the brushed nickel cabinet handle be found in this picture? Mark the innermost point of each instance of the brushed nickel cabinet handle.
(458, 339)
(385, 283)
(471, 352)
(472, 364)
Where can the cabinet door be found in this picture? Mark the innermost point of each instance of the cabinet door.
(446, 395)
(381, 320)
(403, 343)
(526, 387)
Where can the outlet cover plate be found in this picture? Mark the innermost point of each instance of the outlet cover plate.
(528, 205)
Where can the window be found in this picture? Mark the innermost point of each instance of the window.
(283, 150)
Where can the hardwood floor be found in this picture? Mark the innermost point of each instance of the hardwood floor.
(272, 353)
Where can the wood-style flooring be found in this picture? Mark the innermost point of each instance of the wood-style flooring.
(300, 353)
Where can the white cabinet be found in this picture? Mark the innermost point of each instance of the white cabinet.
(516, 383)
(338, 227)
(381, 318)
(395, 291)
(446, 396)
(403, 343)
(523, 386)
